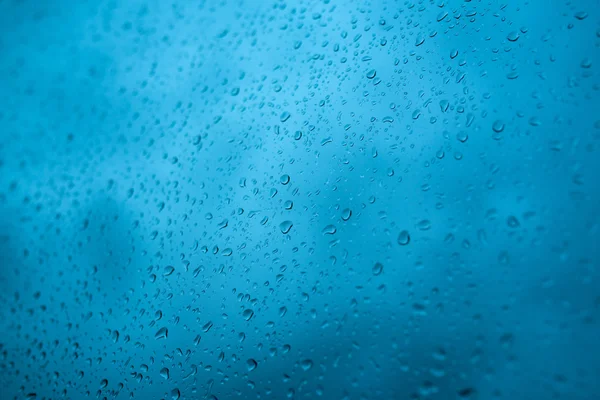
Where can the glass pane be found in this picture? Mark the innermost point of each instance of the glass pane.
(299, 199)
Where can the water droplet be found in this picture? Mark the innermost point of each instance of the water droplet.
(346, 214)
(424, 225)
(164, 373)
(329, 230)
(169, 269)
(371, 74)
(377, 269)
(285, 227)
(444, 105)
(284, 116)
(207, 326)
(513, 36)
(285, 179)
(512, 75)
(403, 238)
(498, 126)
(466, 393)
(419, 40)
(586, 63)
(306, 364)
(512, 221)
(162, 333)
(248, 314)
(251, 364)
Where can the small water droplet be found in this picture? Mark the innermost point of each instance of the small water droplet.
(162, 333)
(329, 230)
(513, 36)
(251, 364)
(346, 214)
(284, 116)
(424, 225)
(207, 326)
(419, 40)
(512, 221)
(248, 314)
(403, 238)
(306, 364)
(169, 269)
(285, 227)
(498, 126)
(164, 373)
(377, 269)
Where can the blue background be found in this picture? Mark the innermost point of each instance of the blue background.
(153, 156)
